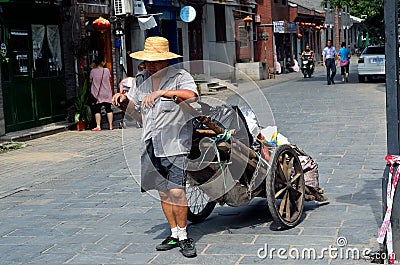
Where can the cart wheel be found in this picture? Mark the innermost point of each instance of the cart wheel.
(285, 187)
(199, 204)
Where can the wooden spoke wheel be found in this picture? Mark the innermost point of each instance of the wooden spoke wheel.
(199, 204)
(285, 187)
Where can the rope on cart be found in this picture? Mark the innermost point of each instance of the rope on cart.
(386, 228)
(223, 137)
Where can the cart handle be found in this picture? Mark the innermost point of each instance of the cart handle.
(210, 124)
(203, 119)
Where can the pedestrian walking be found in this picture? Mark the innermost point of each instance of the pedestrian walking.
(345, 55)
(329, 61)
(100, 78)
(166, 137)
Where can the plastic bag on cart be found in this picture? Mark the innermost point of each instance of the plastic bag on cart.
(229, 117)
(311, 176)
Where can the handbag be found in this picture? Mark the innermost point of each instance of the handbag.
(344, 62)
(92, 100)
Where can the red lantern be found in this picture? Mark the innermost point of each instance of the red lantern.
(247, 20)
(101, 24)
(299, 36)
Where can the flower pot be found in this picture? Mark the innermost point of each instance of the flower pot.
(81, 126)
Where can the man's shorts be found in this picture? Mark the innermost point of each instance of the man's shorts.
(162, 173)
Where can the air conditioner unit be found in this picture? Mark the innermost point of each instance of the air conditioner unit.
(123, 7)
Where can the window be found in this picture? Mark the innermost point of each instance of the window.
(243, 37)
(275, 1)
(284, 2)
(46, 50)
(220, 23)
(374, 50)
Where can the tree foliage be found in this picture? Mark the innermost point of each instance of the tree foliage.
(365, 7)
(371, 9)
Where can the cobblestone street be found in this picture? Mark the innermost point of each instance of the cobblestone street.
(69, 198)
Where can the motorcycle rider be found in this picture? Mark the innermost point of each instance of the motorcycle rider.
(307, 61)
(308, 51)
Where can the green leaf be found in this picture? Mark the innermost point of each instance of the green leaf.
(77, 116)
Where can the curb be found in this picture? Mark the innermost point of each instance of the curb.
(37, 132)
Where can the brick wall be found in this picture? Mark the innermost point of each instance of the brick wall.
(263, 49)
(279, 11)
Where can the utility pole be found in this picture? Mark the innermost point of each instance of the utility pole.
(393, 131)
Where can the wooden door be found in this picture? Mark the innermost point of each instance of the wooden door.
(242, 40)
(196, 43)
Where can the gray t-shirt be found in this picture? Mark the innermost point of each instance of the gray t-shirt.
(169, 127)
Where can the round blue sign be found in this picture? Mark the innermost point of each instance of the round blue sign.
(188, 13)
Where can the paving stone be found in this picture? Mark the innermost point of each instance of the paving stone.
(176, 258)
(273, 240)
(319, 231)
(100, 258)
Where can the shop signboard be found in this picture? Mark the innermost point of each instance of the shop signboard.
(285, 27)
(279, 26)
(188, 14)
(291, 27)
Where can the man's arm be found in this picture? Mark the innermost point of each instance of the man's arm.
(123, 103)
(184, 94)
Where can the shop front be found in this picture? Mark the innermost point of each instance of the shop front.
(285, 36)
(32, 72)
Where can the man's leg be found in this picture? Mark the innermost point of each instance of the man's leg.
(167, 207)
(179, 206)
(328, 71)
(180, 210)
(333, 71)
(171, 241)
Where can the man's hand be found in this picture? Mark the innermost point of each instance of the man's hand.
(323, 64)
(149, 100)
(117, 99)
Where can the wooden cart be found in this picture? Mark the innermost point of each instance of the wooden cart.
(227, 170)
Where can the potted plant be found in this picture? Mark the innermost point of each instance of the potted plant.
(80, 112)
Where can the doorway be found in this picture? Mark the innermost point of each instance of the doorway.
(195, 33)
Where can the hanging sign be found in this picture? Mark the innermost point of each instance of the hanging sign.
(279, 26)
(188, 14)
(118, 32)
(291, 27)
(3, 50)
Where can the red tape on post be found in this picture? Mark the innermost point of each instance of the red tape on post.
(386, 228)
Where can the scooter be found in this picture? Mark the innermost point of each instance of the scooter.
(307, 65)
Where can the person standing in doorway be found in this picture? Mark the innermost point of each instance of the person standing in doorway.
(329, 61)
(100, 79)
(345, 55)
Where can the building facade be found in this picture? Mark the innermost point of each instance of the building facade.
(32, 83)
(282, 29)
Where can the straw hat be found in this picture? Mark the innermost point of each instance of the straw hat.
(155, 49)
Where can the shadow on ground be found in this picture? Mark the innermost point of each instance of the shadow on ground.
(253, 218)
